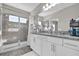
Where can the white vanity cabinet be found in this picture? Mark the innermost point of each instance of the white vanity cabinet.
(58, 50)
(35, 44)
(47, 48)
(70, 47)
(51, 47)
(38, 44)
(32, 42)
(69, 52)
(54, 46)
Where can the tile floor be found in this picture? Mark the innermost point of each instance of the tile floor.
(32, 53)
(17, 52)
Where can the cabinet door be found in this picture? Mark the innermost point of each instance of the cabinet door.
(69, 52)
(35, 43)
(58, 50)
(64, 51)
(47, 48)
(32, 42)
(38, 45)
(70, 47)
(52, 49)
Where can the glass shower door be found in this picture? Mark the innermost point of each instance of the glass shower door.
(14, 29)
(23, 29)
(10, 29)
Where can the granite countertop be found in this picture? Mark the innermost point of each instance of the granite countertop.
(65, 36)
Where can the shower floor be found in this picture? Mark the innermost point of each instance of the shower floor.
(17, 52)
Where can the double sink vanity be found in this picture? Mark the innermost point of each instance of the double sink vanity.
(45, 44)
(55, 37)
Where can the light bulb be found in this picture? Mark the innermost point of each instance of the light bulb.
(47, 5)
(43, 7)
(39, 23)
(53, 4)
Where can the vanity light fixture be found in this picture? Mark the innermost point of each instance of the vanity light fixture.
(48, 6)
(39, 22)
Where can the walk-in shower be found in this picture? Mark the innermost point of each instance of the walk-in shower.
(14, 29)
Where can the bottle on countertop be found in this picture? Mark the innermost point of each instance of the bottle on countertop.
(72, 21)
(72, 28)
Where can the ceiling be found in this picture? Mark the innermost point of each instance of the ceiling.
(56, 8)
(29, 7)
(24, 6)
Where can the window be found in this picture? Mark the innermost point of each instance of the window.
(13, 18)
(23, 20)
(16, 19)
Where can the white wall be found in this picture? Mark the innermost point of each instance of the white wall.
(64, 16)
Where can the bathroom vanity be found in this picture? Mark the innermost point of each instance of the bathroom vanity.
(54, 45)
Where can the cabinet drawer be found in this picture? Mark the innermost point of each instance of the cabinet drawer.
(71, 44)
(69, 52)
(55, 40)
